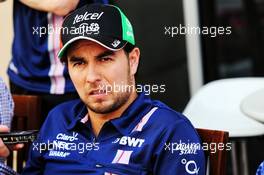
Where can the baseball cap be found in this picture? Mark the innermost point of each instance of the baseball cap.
(104, 24)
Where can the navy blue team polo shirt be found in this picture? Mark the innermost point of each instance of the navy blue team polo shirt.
(148, 138)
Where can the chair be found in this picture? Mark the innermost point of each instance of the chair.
(27, 116)
(217, 158)
(216, 106)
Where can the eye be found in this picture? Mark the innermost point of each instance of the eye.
(105, 59)
(77, 63)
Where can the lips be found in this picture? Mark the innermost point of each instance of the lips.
(98, 92)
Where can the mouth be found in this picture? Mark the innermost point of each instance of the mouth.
(98, 92)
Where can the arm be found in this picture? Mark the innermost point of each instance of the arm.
(35, 164)
(4, 151)
(6, 114)
(180, 153)
(58, 7)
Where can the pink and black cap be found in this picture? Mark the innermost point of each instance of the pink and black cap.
(104, 24)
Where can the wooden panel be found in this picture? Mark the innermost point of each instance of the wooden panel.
(218, 158)
(26, 117)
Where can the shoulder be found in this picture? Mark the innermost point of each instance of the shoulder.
(173, 123)
(64, 113)
(168, 117)
(178, 141)
(67, 106)
(2, 85)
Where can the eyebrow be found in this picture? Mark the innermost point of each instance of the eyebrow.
(75, 58)
(105, 53)
(101, 55)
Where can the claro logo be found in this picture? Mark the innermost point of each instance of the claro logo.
(65, 137)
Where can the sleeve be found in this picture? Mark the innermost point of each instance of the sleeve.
(180, 152)
(260, 170)
(6, 105)
(35, 163)
(6, 170)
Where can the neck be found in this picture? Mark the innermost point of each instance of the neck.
(98, 120)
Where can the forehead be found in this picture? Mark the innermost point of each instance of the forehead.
(90, 46)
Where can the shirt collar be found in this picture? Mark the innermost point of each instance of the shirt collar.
(128, 119)
(133, 114)
(78, 116)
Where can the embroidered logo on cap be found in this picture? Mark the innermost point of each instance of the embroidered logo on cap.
(116, 43)
(85, 28)
(87, 16)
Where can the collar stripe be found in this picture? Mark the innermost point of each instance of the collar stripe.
(122, 157)
(144, 120)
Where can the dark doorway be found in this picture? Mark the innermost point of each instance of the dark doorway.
(163, 58)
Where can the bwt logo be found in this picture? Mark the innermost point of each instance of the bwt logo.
(130, 141)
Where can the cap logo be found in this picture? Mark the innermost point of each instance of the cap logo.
(116, 43)
(87, 16)
(85, 28)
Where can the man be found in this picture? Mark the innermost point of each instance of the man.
(4, 152)
(108, 131)
(35, 68)
(6, 105)
(6, 115)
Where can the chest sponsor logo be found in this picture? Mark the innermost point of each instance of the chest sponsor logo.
(58, 154)
(130, 141)
(183, 148)
(190, 166)
(66, 137)
(62, 144)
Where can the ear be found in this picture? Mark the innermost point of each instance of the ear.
(134, 56)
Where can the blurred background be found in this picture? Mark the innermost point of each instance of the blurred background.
(6, 35)
(184, 63)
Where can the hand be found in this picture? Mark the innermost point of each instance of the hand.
(58, 7)
(4, 151)
(63, 7)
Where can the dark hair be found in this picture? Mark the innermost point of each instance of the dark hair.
(128, 48)
(63, 59)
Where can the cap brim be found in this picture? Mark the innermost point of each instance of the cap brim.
(104, 42)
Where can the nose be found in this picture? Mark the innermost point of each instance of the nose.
(92, 74)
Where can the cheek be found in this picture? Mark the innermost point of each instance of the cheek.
(76, 78)
(119, 74)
